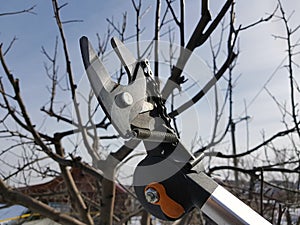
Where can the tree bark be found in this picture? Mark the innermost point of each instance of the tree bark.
(75, 196)
(108, 198)
(146, 218)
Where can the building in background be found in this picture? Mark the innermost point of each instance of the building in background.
(54, 193)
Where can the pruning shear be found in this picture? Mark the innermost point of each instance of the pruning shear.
(168, 181)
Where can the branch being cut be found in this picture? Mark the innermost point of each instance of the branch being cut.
(205, 89)
(197, 39)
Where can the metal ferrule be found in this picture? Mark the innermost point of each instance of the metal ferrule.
(226, 209)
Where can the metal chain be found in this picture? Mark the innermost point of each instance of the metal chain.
(155, 94)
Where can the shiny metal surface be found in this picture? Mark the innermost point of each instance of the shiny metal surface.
(121, 103)
(226, 209)
(152, 195)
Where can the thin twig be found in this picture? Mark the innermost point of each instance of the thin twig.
(28, 10)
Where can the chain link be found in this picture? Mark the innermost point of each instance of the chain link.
(154, 93)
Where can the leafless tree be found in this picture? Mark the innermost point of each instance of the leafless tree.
(44, 154)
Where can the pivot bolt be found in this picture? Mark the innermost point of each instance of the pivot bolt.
(151, 195)
(124, 99)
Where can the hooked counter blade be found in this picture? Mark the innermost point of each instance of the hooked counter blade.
(128, 60)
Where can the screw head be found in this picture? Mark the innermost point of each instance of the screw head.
(151, 195)
(124, 99)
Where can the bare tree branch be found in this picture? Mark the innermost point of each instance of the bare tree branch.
(205, 89)
(74, 193)
(29, 10)
(275, 136)
(73, 87)
(7, 195)
(198, 38)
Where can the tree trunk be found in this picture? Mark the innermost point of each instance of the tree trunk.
(146, 218)
(108, 198)
(75, 195)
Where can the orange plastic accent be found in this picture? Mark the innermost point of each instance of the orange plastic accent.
(171, 208)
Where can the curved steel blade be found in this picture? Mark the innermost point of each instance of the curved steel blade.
(128, 60)
(120, 103)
